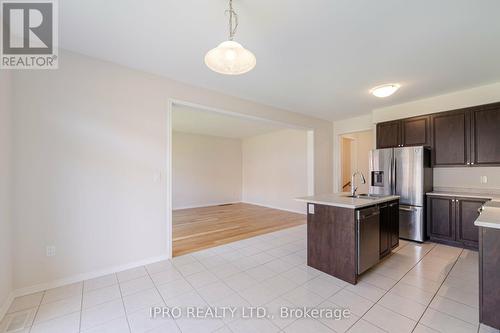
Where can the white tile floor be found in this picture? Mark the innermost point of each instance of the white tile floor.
(420, 288)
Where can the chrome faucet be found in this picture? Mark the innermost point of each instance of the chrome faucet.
(354, 187)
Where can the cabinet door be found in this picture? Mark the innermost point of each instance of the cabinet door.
(440, 217)
(466, 214)
(416, 131)
(389, 134)
(451, 138)
(385, 223)
(485, 138)
(489, 277)
(394, 224)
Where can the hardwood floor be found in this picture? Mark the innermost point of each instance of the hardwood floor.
(195, 229)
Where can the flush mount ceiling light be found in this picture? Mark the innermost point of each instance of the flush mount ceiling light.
(229, 57)
(385, 90)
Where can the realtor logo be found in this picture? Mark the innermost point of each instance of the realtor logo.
(29, 34)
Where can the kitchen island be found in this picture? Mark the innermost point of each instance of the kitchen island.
(348, 235)
(489, 263)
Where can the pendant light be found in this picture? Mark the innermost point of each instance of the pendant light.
(230, 57)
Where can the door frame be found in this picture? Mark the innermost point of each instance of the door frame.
(168, 174)
(337, 153)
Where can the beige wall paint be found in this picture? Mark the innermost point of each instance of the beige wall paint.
(275, 169)
(206, 170)
(346, 159)
(342, 127)
(451, 177)
(90, 160)
(360, 145)
(5, 189)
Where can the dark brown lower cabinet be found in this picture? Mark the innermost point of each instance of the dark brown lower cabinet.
(450, 220)
(389, 227)
(394, 225)
(441, 218)
(331, 241)
(489, 276)
(467, 211)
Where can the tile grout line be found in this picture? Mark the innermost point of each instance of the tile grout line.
(36, 312)
(435, 294)
(81, 309)
(161, 296)
(245, 270)
(123, 302)
(377, 302)
(342, 288)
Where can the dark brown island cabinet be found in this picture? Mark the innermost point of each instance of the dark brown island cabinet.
(341, 244)
(450, 220)
(464, 137)
(489, 276)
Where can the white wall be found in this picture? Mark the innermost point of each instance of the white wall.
(5, 190)
(275, 169)
(90, 140)
(206, 170)
(451, 177)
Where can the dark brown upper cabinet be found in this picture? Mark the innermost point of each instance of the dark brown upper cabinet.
(451, 135)
(403, 133)
(416, 131)
(485, 135)
(464, 137)
(389, 134)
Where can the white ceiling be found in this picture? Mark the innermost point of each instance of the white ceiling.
(196, 121)
(317, 57)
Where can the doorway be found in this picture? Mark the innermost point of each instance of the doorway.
(233, 176)
(354, 156)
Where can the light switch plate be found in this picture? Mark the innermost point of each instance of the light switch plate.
(310, 208)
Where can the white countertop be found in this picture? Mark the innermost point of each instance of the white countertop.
(342, 200)
(465, 195)
(490, 216)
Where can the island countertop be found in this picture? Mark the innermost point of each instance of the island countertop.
(490, 215)
(342, 200)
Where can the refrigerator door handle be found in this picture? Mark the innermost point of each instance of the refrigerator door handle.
(394, 175)
(407, 209)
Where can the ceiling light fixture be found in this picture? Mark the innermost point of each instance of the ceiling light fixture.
(229, 57)
(385, 90)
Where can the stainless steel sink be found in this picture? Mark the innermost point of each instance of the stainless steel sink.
(364, 196)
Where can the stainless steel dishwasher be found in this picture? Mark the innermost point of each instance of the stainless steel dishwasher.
(368, 237)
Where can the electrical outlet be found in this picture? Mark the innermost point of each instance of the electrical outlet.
(50, 251)
(310, 209)
(484, 179)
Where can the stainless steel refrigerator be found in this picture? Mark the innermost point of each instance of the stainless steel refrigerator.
(405, 172)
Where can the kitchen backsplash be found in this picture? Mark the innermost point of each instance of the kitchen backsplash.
(467, 179)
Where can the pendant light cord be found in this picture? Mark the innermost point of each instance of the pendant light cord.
(233, 20)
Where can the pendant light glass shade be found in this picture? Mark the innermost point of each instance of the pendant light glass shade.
(230, 58)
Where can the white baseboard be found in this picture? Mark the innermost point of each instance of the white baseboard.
(6, 305)
(275, 207)
(84, 276)
(207, 205)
